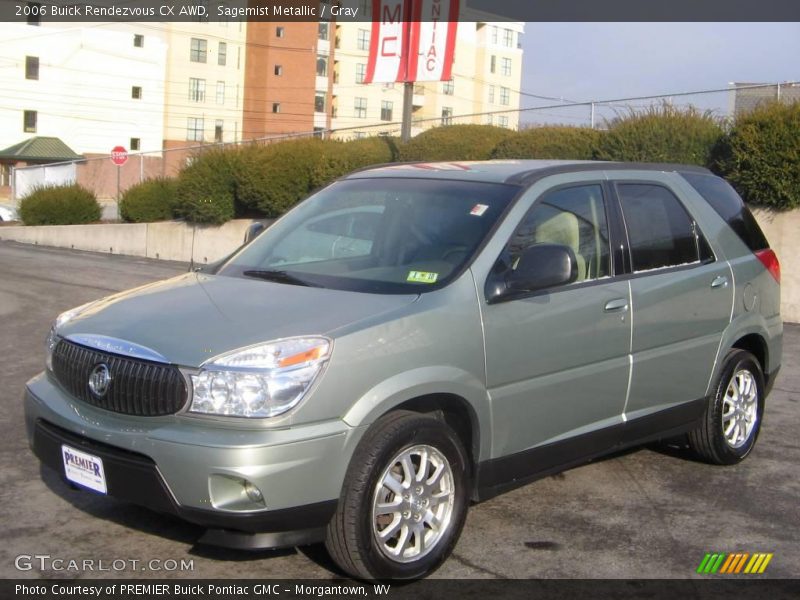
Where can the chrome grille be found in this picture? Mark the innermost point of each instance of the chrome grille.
(138, 387)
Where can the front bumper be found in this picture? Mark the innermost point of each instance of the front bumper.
(170, 464)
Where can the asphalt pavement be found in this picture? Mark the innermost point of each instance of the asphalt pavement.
(647, 513)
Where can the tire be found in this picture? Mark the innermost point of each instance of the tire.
(717, 439)
(391, 449)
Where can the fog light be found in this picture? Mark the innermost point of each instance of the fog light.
(253, 493)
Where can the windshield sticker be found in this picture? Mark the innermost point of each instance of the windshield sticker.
(422, 277)
(479, 209)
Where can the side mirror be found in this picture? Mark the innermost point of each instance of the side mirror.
(542, 266)
(253, 231)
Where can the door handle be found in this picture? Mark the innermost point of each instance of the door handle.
(617, 305)
(720, 282)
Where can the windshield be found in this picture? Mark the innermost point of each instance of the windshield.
(389, 236)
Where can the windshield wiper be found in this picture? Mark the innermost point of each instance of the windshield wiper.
(279, 276)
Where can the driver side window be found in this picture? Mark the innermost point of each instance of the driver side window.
(573, 217)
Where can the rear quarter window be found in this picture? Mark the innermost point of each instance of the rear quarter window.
(729, 205)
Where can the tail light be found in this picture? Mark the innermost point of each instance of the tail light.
(770, 262)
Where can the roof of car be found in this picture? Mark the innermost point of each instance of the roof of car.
(517, 172)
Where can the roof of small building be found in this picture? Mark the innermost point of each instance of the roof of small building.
(40, 149)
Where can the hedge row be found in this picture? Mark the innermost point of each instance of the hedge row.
(759, 154)
(59, 205)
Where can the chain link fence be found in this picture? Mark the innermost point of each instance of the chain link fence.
(108, 181)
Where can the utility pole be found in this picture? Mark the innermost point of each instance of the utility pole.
(592, 116)
(408, 101)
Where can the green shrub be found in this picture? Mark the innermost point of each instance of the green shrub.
(661, 134)
(761, 156)
(151, 200)
(558, 142)
(59, 205)
(454, 142)
(205, 188)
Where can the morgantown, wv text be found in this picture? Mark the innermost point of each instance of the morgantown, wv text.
(196, 590)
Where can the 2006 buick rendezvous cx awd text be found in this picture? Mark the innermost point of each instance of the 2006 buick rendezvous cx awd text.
(413, 338)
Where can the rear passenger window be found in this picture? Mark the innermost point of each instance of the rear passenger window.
(573, 217)
(724, 199)
(660, 231)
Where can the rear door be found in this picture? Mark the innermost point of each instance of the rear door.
(681, 301)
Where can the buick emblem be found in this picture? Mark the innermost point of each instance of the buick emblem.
(99, 380)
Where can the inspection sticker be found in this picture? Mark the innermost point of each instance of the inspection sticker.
(84, 469)
(422, 277)
(479, 209)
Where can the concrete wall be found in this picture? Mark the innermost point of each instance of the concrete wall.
(170, 240)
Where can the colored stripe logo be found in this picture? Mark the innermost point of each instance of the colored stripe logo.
(734, 563)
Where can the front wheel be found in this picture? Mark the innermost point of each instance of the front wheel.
(732, 419)
(404, 499)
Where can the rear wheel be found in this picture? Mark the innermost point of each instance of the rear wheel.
(732, 419)
(404, 499)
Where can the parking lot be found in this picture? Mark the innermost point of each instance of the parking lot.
(647, 513)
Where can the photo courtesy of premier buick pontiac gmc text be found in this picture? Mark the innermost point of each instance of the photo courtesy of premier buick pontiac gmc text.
(412, 339)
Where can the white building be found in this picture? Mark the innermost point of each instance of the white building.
(94, 86)
(487, 75)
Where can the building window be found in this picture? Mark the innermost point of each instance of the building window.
(319, 102)
(138, 40)
(276, 107)
(448, 88)
(386, 110)
(491, 94)
(505, 95)
(361, 71)
(493, 64)
(319, 132)
(494, 34)
(508, 38)
(31, 67)
(194, 129)
(361, 108)
(29, 118)
(135, 144)
(363, 39)
(222, 54)
(136, 92)
(389, 85)
(447, 114)
(198, 50)
(365, 7)
(218, 126)
(359, 135)
(322, 66)
(505, 66)
(5, 175)
(490, 119)
(220, 92)
(502, 121)
(197, 90)
(34, 14)
(278, 70)
(280, 32)
(323, 31)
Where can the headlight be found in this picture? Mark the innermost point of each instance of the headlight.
(52, 336)
(260, 381)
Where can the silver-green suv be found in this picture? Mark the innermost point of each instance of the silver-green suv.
(411, 339)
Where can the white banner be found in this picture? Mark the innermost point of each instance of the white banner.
(433, 40)
(389, 41)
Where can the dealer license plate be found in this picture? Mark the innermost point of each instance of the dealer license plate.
(84, 469)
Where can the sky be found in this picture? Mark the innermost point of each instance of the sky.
(591, 61)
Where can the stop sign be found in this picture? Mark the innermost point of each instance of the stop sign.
(119, 155)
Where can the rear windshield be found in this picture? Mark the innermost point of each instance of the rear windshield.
(382, 235)
(729, 205)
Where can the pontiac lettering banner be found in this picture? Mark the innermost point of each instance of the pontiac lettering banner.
(412, 40)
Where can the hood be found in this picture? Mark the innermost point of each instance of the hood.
(194, 317)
